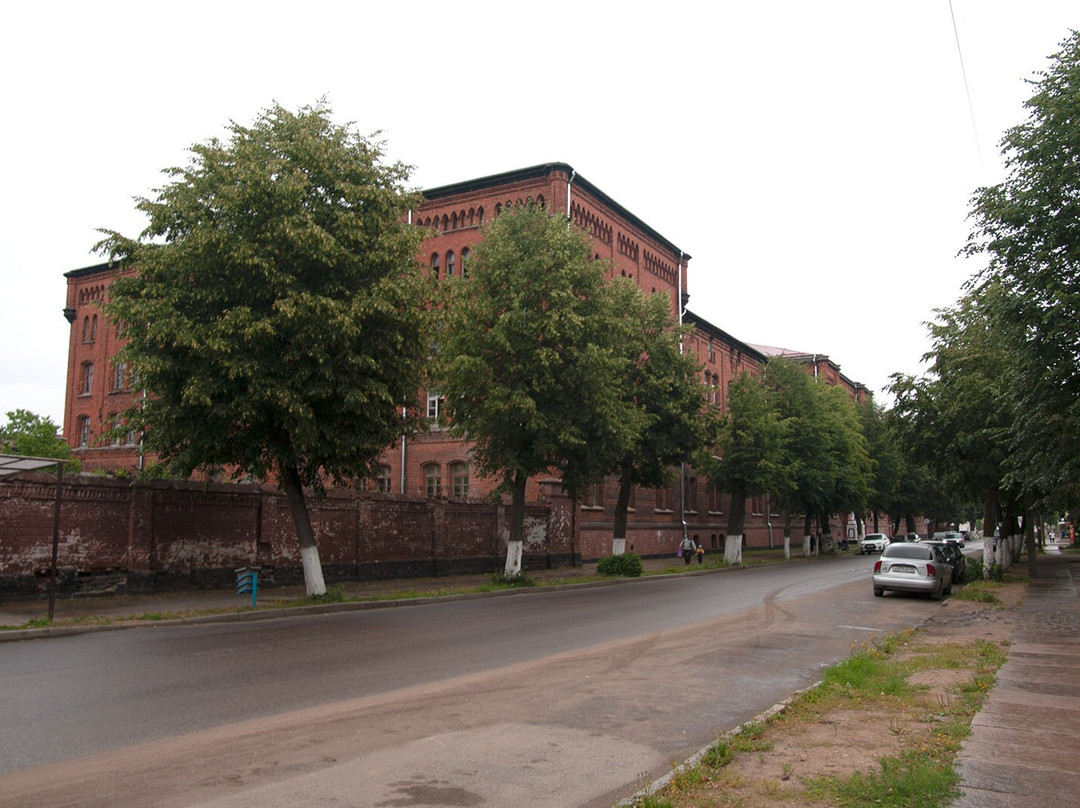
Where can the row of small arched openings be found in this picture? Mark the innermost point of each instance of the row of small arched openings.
(458, 220)
(451, 266)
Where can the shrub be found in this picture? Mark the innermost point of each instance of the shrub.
(501, 578)
(627, 565)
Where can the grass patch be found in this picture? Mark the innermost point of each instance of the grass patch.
(874, 680)
(920, 779)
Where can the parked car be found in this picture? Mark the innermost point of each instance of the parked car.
(913, 568)
(873, 543)
(957, 560)
(950, 536)
(904, 537)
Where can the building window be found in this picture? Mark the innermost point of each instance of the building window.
(433, 480)
(691, 494)
(382, 481)
(83, 430)
(451, 263)
(434, 405)
(465, 262)
(712, 494)
(459, 479)
(117, 430)
(665, 499)
(594, 496)
(712, 353)
(120, 376)
(86, 329)
(93, 328)
(87, 385)
(435, 266)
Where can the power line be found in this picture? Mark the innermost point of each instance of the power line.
(967, 90)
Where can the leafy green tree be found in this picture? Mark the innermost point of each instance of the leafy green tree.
(1028, 229)
(660, 389)
(951, 418)
(828, 467)
(525, 366)
(34, 436)
(276, 314)
(746, 457)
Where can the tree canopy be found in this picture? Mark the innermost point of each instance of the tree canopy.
(525, 366)
(1028, 229)
(26, 433)
(277, 314)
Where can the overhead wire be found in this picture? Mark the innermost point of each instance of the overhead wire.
(967, 89)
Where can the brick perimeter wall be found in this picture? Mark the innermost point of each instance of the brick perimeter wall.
(122, 538)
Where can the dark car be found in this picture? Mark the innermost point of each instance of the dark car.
(956, 558)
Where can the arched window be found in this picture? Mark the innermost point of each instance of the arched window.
(453, 221)
(445, 222)
(459, 479)
(382, 481)
(82, 428)
(480, 217)
(465, 262)
(432, 480)
(451, 262)
(93, 328)
(120, 376)
(86, 329)
(87, 386)
(435, 265)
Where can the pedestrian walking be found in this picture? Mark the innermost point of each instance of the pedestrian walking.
(687, 548)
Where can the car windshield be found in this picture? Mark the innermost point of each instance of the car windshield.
(920, 551)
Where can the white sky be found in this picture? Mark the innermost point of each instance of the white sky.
(815, 158)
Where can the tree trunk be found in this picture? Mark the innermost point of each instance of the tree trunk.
(787, 533)
(622, 508)
(1029, 536)
(309, 551)
(517, 525)
(990, 517)
(806, 536)
(733, 541)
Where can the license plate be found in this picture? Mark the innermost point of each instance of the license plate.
(901, 568)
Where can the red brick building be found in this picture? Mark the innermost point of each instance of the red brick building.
(433, 465)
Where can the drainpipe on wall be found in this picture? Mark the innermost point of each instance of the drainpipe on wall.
(569, 182)
(682, 466)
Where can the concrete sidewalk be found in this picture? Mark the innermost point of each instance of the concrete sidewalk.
(1024, 745)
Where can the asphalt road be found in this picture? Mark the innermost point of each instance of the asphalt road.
(571, 697)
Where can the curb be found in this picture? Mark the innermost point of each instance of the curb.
(15, 635)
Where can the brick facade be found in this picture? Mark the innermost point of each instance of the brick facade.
(434, 466)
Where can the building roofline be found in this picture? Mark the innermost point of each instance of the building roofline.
(700, 322)
(546, 170)
(92, 270)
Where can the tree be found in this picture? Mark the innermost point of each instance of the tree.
(525, 368)
(34, 436)
(1028, 229)
(276, 311)
(746, 455)
(828, 466)
(666, 421)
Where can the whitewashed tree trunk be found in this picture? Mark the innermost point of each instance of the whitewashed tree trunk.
(618, 546)
(787, 547)
(513, 558)
(314, 584)
(733, 549)
(806, 546)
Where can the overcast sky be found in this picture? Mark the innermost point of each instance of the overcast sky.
(816, 159)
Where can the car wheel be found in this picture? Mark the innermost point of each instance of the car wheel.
(878, 591)
(936, 595)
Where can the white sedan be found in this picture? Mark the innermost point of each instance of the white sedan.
(873, 543)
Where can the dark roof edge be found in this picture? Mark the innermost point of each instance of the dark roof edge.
(745, 347)
(94, 270)
(545, 170)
